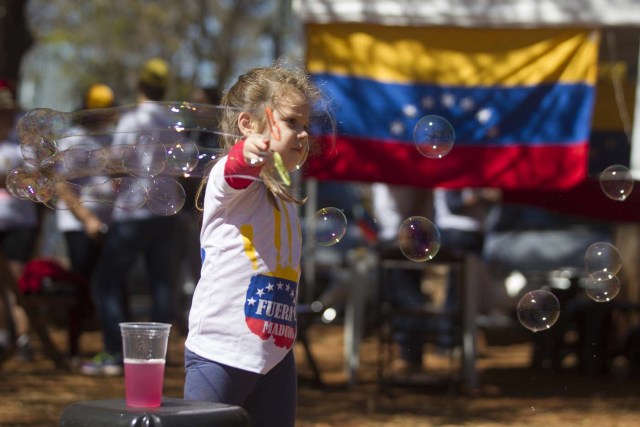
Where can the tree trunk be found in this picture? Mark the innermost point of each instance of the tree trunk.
(15, 38)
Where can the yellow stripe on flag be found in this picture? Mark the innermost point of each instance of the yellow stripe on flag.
(453, 56)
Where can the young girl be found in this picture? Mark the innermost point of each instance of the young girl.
(242, 322)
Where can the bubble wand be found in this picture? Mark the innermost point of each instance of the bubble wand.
(277, 159)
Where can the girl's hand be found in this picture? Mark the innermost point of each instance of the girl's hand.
(256, 149)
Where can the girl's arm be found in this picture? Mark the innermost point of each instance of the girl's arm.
(239, 172)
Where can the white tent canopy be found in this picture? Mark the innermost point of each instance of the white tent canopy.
(474, 13)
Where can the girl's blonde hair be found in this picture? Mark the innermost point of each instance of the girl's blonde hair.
(254, 91)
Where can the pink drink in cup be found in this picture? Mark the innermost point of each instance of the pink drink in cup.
(144, 350)
(143, 382)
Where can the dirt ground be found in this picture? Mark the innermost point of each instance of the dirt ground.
(510, 394)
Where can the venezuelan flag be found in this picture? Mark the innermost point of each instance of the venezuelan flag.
(520, 101)
(608, 145)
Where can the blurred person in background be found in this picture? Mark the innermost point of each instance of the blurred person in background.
(19, 227)
(135, 233)
(460, 215)
(392, 205)
(81, 219)
(208, 95)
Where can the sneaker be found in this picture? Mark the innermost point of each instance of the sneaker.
(103, 364)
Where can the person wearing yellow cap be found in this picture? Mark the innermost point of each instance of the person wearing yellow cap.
(137, 233)
(153, 80)
(81, 221)
(84, 222)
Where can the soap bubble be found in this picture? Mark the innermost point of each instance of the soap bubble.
(22, 181)
(538, 310)
(147, 157)
(616, 182)
(603, 256)
(47, 123)
(165, 196)
(85, 159)
(418, 239)
(35, 149)
(129, 193)
(327, 226)
(182, 156)
(433, 136)
(602, 286)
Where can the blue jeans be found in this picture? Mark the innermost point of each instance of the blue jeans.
(540, 250)
(83, 252)
(154, 238)
(457, 243)
(270, 399)
(403, 291)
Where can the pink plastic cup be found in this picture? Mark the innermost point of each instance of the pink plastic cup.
(145, 354)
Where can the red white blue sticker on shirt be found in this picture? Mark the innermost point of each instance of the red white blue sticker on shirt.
(270, 309)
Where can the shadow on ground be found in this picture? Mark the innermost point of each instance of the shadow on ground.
(510, 394)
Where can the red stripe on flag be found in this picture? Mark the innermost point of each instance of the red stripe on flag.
(586, 199)
(541, 167)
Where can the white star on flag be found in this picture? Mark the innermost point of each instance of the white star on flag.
(484, 115)
(427, 102)
(467, 103)
(410, 110)
(448, 100)
(397, 127)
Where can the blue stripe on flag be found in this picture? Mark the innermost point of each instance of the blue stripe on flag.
(550, 114)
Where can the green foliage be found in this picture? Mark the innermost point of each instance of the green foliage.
(108, 40)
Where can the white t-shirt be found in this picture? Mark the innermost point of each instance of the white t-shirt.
(147, 119)
(392, 204)
(90, 191)
(243, 312)
(445, 219)
(14, 213)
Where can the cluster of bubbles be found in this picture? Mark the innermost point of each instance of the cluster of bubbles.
(603, 261)
(537, 310)
(540, 309)
(146, 169)
(419, 238)
(140, 172)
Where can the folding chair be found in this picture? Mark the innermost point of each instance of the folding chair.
(41, 308)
